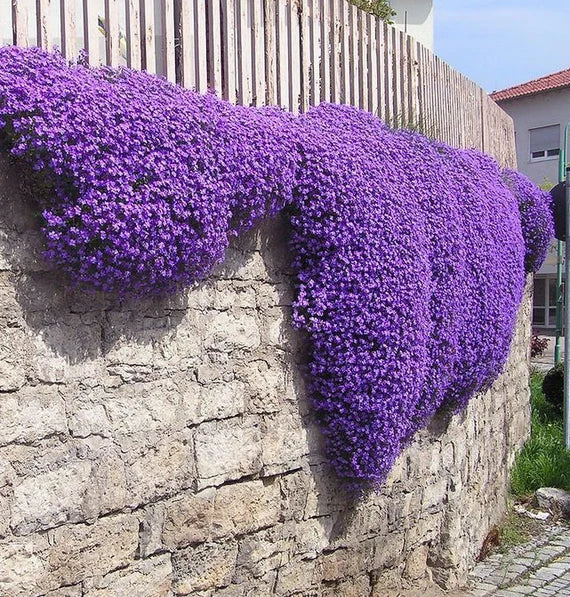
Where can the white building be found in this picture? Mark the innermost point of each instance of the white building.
(415, 17)
(540, 110)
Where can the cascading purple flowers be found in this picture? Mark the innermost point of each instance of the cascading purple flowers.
(410, 255)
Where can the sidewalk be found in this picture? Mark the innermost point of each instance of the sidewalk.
(539, 568)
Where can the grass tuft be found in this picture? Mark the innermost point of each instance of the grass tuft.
(544, 461)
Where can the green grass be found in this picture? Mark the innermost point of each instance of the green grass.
(544, 461)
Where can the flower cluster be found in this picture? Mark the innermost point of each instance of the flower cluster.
(536, 210)
(146, 181)
(409, 254)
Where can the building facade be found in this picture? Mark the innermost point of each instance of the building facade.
(416, 19)
(540, 110)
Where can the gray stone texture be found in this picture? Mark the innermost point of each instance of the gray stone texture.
(167, 447)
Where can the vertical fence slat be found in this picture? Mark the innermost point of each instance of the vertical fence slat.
(282, 52)
(258, 51)
(68, 28)
(229, 67)
(325, 51)
(133, 26)
(200, 45)
(354, 62)
(381, 49)
(270, 41)
(345, 51)
(167, 40)
(316, 48)
(215, 46)
(305, 55)
(42, 25)
(335, 57)
(372, 66)
(245, 87)
(363, 59)
(187, 62)
(147, 23)
(294, 56)
(91, 31)
(112, 32)
(20, 17)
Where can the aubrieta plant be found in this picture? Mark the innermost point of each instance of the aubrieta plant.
(410, 255)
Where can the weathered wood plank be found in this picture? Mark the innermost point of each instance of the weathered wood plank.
(112, 50)
(270, 41)
(201, 47)
(186, 51)
(42, 24)
(133, 33)
(258, 54)
(215, 46)
(167, 40)
(148, 28)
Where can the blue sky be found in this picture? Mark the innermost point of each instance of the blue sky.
(502, 43)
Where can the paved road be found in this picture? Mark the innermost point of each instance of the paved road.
(540, 568)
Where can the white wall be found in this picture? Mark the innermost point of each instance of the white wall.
(415, 17)
(542, 109)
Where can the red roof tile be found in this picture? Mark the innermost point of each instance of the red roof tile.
(547, 83)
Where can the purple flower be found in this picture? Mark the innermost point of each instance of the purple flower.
(410, 255)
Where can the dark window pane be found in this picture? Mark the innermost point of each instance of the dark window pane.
(552, 292)
(538, 154)
(538, 316)
(539, 292)
(552, 152)
(552, 317)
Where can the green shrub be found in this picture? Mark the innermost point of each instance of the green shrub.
(553, 386)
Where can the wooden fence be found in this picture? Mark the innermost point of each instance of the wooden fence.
(293, 53)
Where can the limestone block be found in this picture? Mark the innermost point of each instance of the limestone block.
(50, 498)
(151, 577)
(284, 442)
(227, 449)
(222, 400)
(31, 414)
(150, 529)
(296, 577)
(265, 382)
(229, 331)
(158, 469)
(242, 508)
(141, 407)
(208, 566)
(81, 551)
(260, 554)
(23, 565)
(12, 370)
(188, 518)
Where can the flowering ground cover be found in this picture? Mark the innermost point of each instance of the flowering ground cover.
(410, 255)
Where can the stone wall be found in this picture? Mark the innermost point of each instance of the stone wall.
(166, 447)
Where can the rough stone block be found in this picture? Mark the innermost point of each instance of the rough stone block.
(188, 518)
(51, 498)
(208, 566)
(242, 508)
(146, 578)
(227, 449)
(31, 414)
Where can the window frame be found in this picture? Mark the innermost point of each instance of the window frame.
(545, 157)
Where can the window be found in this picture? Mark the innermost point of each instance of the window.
(544, 142)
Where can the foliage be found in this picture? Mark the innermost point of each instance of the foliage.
(544, 461)
(553, 386)
(379, 8)
(409, 254)
(536, 210)
(537, 345)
